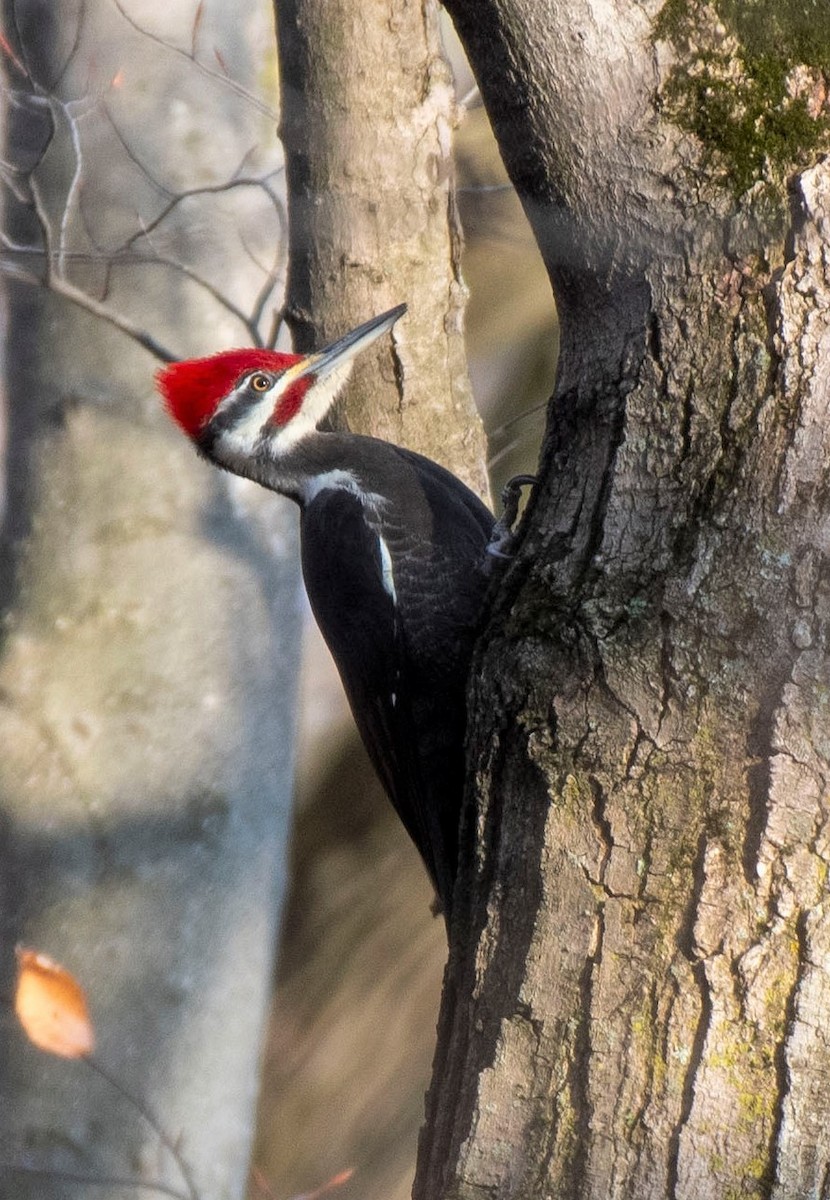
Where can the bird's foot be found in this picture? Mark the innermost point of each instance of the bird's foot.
(502, 538)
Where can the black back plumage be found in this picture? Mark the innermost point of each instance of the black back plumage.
(402, 638)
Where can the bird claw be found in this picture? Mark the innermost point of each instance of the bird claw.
(502, 538)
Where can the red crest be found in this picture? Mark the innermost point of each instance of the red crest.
(192, 389)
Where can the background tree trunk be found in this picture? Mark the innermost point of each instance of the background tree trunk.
(367, 114)
(638, 992)
(150, 648)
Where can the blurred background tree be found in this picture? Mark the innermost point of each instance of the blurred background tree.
(149, 653)
(151, 612)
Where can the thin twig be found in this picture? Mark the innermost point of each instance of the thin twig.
(267, 289)
(268, 272)
(99, 255)
(94, 1180)
(194, 32)
(22, 99)
(471, 98)
(259, 308)
(62, 287)
(26, 65)
(481, 189)
(133, 157)
(225, 80)
(522, 416)
(141, 1108)
(15, 272)
(74, 186)
(209, 189)
(277, 322)
(211, 289)
(56, 234)
(6, 47)
(243, 162)
(45, 226)
(8, 178)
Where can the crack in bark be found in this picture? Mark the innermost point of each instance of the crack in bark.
(455, 1036)
(486, 956)
(637, 1118)
(631, 758)
(596, 519)
(782, 1071)
(605, 687)
(760, 747)
(687, 414)
(578, 1070)
(667, 673)
(758, 781)
(695, 1060)
(687, 946)
(824, 1190)
(398, 373)
(602, 827)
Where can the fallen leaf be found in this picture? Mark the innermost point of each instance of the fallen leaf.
(51, 1006)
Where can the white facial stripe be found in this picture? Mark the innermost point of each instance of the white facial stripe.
(245, 432)
(316, 403)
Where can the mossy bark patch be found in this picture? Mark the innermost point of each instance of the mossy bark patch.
(751, 84)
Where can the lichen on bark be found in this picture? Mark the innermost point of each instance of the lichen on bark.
(751, 84)
(649, 657)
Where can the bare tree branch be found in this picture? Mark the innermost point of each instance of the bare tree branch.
(62, 287)
(248, 321)
(214, 189)
(143, 1185)
(55, 233)
(74, 186)
(222, 78)
(132, 156)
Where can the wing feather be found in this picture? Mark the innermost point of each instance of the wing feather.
(397, 596)
(358, 619)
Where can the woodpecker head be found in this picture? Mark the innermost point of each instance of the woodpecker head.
(240, 402)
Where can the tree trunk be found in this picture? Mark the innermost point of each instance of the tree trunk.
(637, 997)
(367, 116)
(150, 644)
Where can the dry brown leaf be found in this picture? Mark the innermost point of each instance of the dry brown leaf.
(51, 1006)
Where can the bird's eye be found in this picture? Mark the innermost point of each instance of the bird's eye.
(260, 383)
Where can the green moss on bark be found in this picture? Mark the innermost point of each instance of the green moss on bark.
(752, 84)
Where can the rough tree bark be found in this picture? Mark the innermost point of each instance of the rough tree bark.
(638, 997)
(366, 119)
(149, 642)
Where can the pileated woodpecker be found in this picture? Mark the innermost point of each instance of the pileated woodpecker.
(393, 555)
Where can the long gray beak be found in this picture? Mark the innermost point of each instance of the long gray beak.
(323, 362)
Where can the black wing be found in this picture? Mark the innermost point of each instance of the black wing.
(403, 644)
(343, 572)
